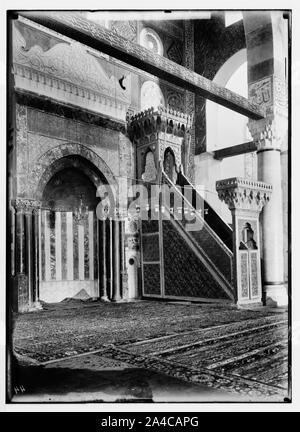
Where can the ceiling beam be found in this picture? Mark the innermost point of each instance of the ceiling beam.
(247, 147)
(82, 30)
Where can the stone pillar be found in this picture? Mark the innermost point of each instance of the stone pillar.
(245, 199)
(268, 80)
(116, 261)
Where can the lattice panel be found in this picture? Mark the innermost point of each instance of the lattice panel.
(151, 247)
(185, 275)
(151, 274)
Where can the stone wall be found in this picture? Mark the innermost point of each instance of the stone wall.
(41, 134)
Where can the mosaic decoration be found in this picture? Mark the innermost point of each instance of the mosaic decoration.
(175, 99)
(174, 52)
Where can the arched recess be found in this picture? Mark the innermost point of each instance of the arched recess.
(49, 163)
(169, 164)
(149, 169)
(65, 180)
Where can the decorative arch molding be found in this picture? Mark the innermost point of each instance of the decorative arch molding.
(229, 67)
(52, 161)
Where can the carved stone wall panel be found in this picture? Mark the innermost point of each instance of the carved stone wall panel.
(190, 98)
(126, 166)
(33, 36)
(175, 99)
(21, 139)
(174, 51)
(261, 93)
(254, 274)
(67, 61)
(40, 144)
(48, 131)
(244, 275)
(126, 29)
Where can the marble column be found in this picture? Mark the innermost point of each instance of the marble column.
(36, 214)
(124, 275)
(29, 254)
(245, 199)
(103, 258)
(19, 239)
(26, 255)
(116, 261)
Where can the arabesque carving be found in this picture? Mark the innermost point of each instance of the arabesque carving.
(243, 194)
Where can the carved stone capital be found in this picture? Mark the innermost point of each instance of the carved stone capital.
(271, 94)
(26, 205)
(268, 133)
(242, 194)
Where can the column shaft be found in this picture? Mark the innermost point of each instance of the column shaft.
(20, 243)
(116, 261)
(36, 234)
(103, 263)
(269, 170)
(29, 255)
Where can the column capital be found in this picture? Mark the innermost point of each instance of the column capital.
(26, 205)
(271, 94)
(243, 194)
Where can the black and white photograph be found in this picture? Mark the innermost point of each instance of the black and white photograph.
(148, 206)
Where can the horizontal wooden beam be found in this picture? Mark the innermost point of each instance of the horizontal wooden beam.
(95, 36)
(236, 150)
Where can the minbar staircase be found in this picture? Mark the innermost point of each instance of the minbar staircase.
(197, 263)
(186, 257)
